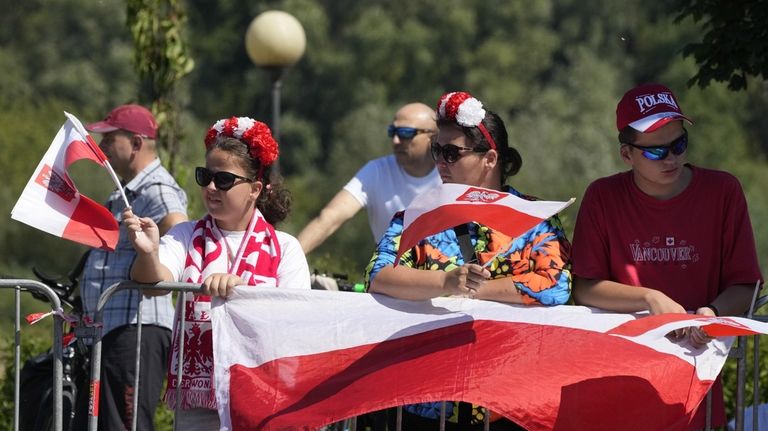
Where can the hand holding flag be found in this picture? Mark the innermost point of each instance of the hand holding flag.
(51, 202)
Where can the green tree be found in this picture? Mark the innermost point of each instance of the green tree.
(734, 43)
(161, 59)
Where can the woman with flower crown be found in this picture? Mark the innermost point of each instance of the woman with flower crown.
(234, 244)
(472, 148)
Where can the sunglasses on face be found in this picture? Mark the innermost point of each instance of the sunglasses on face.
(223, 180)
(405, 133)
(660, 152)
(451, 153)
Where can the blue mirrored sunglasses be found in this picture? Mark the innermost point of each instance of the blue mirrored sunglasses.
(660, 152)
(405, 132)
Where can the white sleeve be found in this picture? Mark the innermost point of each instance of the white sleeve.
(173, 248)
(358, 185)
(293, 271)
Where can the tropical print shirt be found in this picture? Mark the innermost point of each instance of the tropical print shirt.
(538, 261)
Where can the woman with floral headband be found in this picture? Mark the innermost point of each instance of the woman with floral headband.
(234, 244)
(472, 148)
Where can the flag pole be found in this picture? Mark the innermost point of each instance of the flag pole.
(754, 300)
(97, 150)
(117, 182)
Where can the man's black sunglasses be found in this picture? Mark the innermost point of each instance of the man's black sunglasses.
(223, 180)
(405, 132)
(451, 153)
(660, 152)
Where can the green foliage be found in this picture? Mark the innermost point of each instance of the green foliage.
(734, 44)
(161, 59)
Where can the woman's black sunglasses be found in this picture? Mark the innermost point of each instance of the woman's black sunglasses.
(452, 153)
(223, 180)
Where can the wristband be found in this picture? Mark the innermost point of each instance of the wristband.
(714, 309)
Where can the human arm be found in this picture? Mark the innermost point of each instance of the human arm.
(534, 270)
(622, 298)
(144, 234)
(406, 281)
(341, 208)
(417, 284)
(170, 221)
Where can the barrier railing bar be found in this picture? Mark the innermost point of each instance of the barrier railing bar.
(135, 411)
(755, 382)
(19, 284)
(16, 357)
(442, 415)
(181, 311)
(93, 409)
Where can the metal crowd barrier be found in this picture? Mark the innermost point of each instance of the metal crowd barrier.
(93, 404)
(740, 353)
(350, 424)
(36, 286)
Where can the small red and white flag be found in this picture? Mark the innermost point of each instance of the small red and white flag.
(51, 202)
(294, 359)
(449, 205)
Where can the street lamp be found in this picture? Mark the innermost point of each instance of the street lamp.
(275, 41)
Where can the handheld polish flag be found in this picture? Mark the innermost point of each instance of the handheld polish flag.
(449, 205)
(51, 202)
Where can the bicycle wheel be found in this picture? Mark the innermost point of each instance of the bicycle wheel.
(44, 419)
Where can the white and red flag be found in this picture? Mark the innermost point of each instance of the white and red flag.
(291, 359)
(449, 205)
(51, 202)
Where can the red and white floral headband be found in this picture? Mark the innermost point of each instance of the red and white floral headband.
(463, 109)
(261, 145)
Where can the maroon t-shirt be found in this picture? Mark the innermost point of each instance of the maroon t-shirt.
(690, 247)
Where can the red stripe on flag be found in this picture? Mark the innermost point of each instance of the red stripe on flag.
(93, 225)
(534, 374)
(78, 150)
(500, 217)
(720, 327)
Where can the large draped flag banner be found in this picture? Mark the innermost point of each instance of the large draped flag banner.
(291, 359)
(449, 205)
(51, 202)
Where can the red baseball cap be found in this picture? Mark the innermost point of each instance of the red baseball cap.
(647, 107)
(133, 118)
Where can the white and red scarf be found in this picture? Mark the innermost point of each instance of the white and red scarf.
(256, 262)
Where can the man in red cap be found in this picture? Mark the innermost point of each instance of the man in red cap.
(665, 236)
(128, 141)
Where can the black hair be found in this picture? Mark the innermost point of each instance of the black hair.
(628, 135)
(510, 158)
(274, 201)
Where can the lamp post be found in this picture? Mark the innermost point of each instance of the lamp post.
(275, 41)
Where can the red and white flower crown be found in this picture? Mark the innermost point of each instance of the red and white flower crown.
(261, 145)
(463, 109)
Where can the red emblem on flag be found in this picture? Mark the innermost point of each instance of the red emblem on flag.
(474, 194)
(54, 182)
